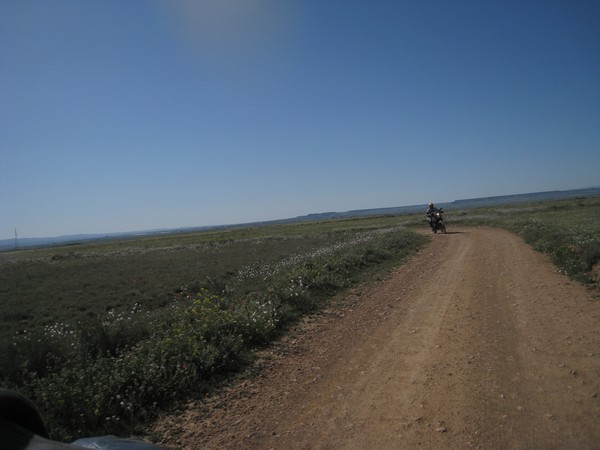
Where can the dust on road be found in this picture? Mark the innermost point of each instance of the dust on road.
(477, 342)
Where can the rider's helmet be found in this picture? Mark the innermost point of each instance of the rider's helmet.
(430, 204)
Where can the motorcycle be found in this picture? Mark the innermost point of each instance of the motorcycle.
(436, 221)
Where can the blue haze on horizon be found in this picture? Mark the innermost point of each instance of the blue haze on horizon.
(118, 115)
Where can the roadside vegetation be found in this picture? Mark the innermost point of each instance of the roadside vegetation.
(103, 336)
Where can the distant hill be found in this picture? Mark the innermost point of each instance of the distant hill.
(525, 198)
(9, 244)
(458, 204)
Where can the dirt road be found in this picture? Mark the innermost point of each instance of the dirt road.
(477, 342)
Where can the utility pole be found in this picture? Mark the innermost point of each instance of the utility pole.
(16, 240)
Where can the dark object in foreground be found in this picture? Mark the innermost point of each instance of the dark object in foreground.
(22, 428)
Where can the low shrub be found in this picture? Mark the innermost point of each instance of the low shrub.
(590, 254)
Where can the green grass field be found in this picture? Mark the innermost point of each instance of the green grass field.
(71, 284)
(102, 336)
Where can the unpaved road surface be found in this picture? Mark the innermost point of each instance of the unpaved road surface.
(477, 342)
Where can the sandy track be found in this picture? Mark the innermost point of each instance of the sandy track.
(478, 342)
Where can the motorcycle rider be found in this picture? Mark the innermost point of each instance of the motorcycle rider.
(431, 210)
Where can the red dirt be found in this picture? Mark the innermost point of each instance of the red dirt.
(477, 342)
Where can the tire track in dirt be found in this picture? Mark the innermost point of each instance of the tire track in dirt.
(477, 342)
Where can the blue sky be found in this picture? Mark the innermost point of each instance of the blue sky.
(121, 115)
